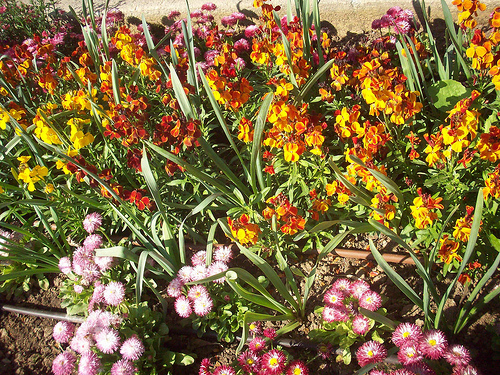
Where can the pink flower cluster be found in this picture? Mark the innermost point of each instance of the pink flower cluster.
(258, 360)
(403, 21)
(415, 346)
(196, 298)
(100, 333)
(343, 299)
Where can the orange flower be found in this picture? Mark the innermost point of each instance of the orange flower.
(448, 250)
(292, 152)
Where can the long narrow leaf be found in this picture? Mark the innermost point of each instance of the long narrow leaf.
(256, 156)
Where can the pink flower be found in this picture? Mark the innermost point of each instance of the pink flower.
(406, 333)
(114, 293)
(202, 305)
(457, 355)
(370, 352)
(80, 344)
(199, 258)
(228, 21)
(325, 351)
(209, 7)
(63, 332)
(297, 368)
(360, 324)
(238, 15)
(197, 291)
(270, 333)
(433, 345)
(174, 288)
(344, 285)
(196, 14)
(107, 340)
(337, 313)
(255, 328)
(65, 265)
(358, 288)
(252, 31)
(3, 9)
(215, 268)
(92, 242)
(123, 367)
(409, 354)
(185, 274)
(274, 361)
(205, 367)
(132, 348)
(90, 364)
(183, 307)
(64, 364)
(333, 297)
(370, 300)
(92, 222)
(224, 370)
(173, 14)
(104, 263)
(257, 344)
(249, 361)
(198, 272)
(224, 253)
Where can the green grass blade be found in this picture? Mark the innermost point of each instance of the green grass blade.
(256, 156)
(117, 252)
(180, 94)
(115, 81)
(312, 82)
(141, 266)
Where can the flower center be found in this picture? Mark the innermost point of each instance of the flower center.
(406, 334)
(273, 362)
(432, 342)
(370, 353)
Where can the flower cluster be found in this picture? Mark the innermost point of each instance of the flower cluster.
(402, 20)
(99, 333)
(258, 359)
(416, 348)
(196, 298)
(343, 299)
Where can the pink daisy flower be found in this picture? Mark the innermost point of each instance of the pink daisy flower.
(183, 307)
(215, 268)
(223, 254)
(238, 15)
(224, 370)
(370, 300)
(338, 313)
(344, 285)
(107, 340)
(123, 367)
(174, 288)
(203, 305)
(132, 348)
(257, 344)
(92, 242)
(228, 21)
(63, 332)
(80, 344)
(270, 333)
(333, 297)
(185, 274)
(370, 352)
(251, 31)
(65, 265)
(199, 258)
(114, 293)
(249, 361)
(409, 354)
(199, 272)
(433, 345)
(205, 367)
(197, 291)
(468, 370)
(360, 324)
(64, 364)
(274, 361)
(420, 368)
(89, 364)
(209, 7)
(78, 289)
(297, 368)
(457, 355)
(406, 333)
(104, 263)
(92, 222)
(358, 288)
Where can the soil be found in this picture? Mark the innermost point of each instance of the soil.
(27, 347)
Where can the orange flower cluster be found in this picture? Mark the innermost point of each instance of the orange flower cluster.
(492, 184)
(468, 9)
(233, 95)
(285, 213)
(244, 231)
(448, 250)
(489, 145)
(456, 136)
(384, 211)
(337, 187)
(131, 52)
(421, 209)
(480, 50)
(463, 225)
(319, 206)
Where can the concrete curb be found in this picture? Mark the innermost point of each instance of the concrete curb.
(346, 16)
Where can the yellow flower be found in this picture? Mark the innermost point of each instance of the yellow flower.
(49, 188)
(24, 159)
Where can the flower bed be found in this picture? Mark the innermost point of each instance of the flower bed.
(121, 143)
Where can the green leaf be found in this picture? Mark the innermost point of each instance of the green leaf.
(445, 94)
(180, 94)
